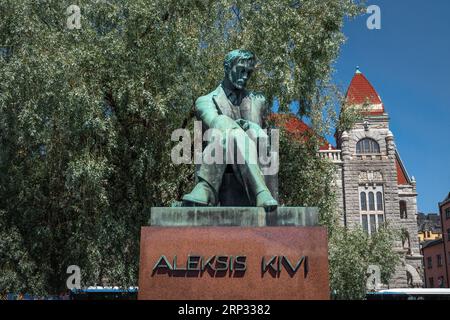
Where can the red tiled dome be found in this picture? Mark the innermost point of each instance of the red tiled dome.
(361, 91)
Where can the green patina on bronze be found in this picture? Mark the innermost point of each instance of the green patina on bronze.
(233, 110)
(233, 217)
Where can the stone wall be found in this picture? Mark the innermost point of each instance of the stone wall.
(358, 170)
(408, 194)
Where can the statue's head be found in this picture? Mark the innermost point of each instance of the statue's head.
(239, 65)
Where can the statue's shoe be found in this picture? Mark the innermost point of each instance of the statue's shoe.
(264, 199)
(201, 196)
(189, 201)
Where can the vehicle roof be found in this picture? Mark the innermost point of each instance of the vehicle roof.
(413, 291)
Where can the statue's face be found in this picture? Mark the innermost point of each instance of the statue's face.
(239, 73)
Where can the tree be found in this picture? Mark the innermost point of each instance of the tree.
(307, 180)
(351, 253)
(86, 115)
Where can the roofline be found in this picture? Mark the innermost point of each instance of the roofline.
(369, 83)
(432, 243)
(397, 154)
(447, 200)
(375, 117)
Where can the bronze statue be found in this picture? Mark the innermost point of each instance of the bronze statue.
(233, 111)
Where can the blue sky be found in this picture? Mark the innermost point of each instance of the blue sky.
(408, 63)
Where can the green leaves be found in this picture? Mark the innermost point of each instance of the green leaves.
(18, 271)
(351, 253)
(86, 117)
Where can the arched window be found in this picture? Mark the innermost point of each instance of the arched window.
(367, 145)
(406, 240)
(403, 210)
(371, 201)
(379, 201)
(363, 201)
(372, 205)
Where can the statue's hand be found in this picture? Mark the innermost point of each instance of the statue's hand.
(247, 125)
(244, 124)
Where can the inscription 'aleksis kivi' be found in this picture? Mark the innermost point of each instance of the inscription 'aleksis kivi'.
(238, 264)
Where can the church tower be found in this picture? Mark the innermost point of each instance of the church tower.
(376, 187)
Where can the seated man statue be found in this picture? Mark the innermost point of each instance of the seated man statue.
(237, 114)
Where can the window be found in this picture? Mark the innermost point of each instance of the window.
(371, 201)
(372, 222)
(431, 283)
(371, 208)
(430, 262)
(406, 240)
(380, 219)
(447, 213)
(379, 201)
(403, 210)
(441, 282)
(365, 223)
(363, 201)
(439, 260)
(448, 234)
(367, 146)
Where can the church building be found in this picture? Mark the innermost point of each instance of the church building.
(373, 185)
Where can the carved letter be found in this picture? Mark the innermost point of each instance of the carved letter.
(222, 263)
(240, 263)
(269, 265)
(193, 263)
(208, 264)
(162, 263)
(299, 263)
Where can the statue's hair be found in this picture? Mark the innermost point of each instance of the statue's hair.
(237, 55)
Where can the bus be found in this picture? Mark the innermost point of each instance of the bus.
(410, 294)
(104, 293)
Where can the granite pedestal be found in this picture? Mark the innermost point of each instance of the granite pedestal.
(235, 253)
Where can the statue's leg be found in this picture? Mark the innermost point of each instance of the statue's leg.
(237, 145)
(210, 174)
(247, 170)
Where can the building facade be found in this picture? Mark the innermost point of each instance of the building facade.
(435, 269)
(444, 210)
(429, 227)
(436, 253)
(373, 185)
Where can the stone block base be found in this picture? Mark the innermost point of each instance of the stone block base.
(218, 261)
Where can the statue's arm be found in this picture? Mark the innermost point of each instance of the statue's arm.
(263, 123)
(206, 111)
